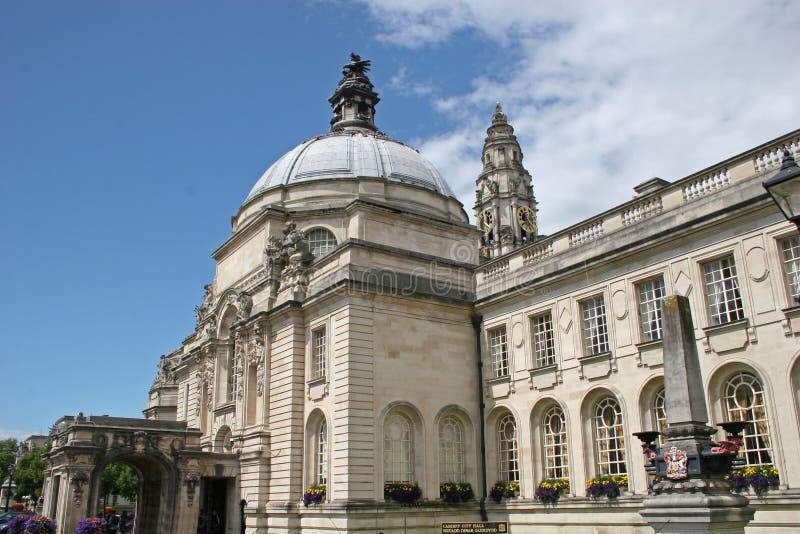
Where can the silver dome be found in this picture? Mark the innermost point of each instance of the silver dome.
(351, 154)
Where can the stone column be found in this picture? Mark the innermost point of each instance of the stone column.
(693, 496)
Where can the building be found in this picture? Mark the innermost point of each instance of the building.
(360, 331)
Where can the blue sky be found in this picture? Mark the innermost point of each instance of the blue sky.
(130, 132)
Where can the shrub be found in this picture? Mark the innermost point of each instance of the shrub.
(758, 477)
(92, 525)
(550, 490)
(504, 490)
(314, 494)
(402, 492)
(606, 485)
(455, 491)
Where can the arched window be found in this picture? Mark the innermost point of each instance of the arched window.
(321, 463)
(609, 437)
(554, 444)
(451, 450)
(658, 413)
(398, 449)
(507, 448)
(320, 242)
(744, 401)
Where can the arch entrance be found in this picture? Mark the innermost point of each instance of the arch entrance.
(166, 456)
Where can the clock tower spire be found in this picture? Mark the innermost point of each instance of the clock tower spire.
(505, 208)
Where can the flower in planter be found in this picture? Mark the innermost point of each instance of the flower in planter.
(758, 477)
(504, 490)
(39, 524)
(456, 491)
(402, 492)
(92, 525)
(606, 485)
(314, 494)
(550, 490)
(17, 524)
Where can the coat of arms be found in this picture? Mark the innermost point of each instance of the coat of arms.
(677, 461)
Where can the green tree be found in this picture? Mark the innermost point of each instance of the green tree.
(8, 449)
(119, 479)
(29, 475)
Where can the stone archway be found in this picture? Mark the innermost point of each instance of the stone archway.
(165, 454)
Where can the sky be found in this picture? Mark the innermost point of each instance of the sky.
(130, 133)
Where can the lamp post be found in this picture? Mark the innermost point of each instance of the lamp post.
(784, 188)
(11, 469)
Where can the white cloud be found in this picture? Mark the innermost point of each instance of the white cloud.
(606, 95)
(401, 83)
(19, 435)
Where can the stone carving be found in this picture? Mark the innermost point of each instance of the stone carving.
(78, 481)
(273, 257)
(255, 349)
(356, 67)
(99, 439)
(676, 461)
(165, 375)
(244, 303)
(208, 374)
(192, 479)
(286, 261)
(238, 364)
(203, 311)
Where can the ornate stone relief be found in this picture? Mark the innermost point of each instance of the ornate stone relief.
(287, 261)
(78, 481)
(256, 356)
(165, 374)
(244, 303)
(191, 479)
(238, 364)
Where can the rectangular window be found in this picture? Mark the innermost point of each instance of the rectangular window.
(595, 328)
(722, 291)
(318, 353)
(544, 347)
(650, 293)
(499, 351)
(791, 268)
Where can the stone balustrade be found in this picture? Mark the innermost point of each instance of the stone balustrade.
(710, 181)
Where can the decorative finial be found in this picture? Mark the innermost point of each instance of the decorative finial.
(498, 108)
(357, 66)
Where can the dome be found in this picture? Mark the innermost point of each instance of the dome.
(350, 154)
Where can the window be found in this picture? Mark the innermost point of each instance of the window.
(650, 293)
(451, 450)
(318, 353)
(791, 267)
(499, 351)
(321, 464)
(320, 242)
(744, 401)
(507, 449)
(595, 329)
(544, 347)
(722, 291)
(398, 449)
(554, 442)
(609, 438)
(658, 414)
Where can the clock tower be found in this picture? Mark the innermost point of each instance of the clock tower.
(505, 208)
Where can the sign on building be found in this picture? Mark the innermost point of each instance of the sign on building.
(474, 528)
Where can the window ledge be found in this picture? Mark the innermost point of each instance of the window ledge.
(499, 379)
(598, 356)
(316, 381)
(647, 345)
(544, 377)
(595, 366)
(317, 388)
(225, 407)
(792, 311)
(721, 328)
(544, 369)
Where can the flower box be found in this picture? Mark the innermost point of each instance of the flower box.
(402, 492)
(314, 494)
(456, 491)
(550, 490)
(758, 477)
(609, 486)
(504, 490)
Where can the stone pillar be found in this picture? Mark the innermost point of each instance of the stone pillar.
(693, 496)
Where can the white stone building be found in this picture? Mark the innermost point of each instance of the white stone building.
(360, 331)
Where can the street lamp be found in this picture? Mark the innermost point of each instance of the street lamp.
(784, 188)
(11, 469)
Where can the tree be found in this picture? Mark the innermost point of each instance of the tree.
(29, 475)
(119, 479)
(8, 449)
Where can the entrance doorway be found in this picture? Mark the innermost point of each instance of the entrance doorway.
(214, 505)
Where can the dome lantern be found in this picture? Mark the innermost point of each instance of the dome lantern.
(354, 99)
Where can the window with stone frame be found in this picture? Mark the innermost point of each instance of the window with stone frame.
(744, 401)
(319, 353)
(790, 255)
(555, 450)
(451, 450)
(609, 437)
(595, 326)
(507, 449)
(398, 449)
(723, 298)
(321, 456)
(320, 242)
(498, 348)
(544, 346)
(650, 292)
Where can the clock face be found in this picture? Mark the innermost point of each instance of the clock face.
(485, 221)
(527, 219)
